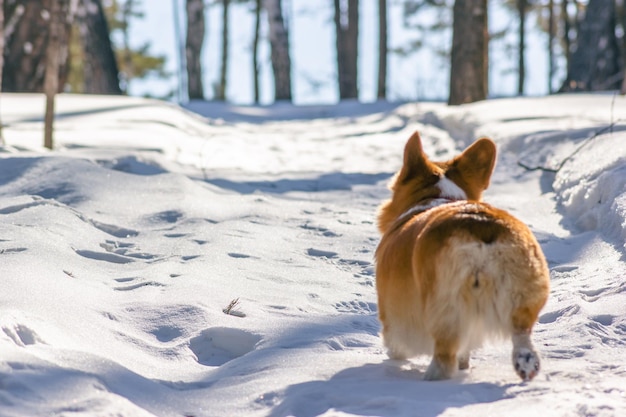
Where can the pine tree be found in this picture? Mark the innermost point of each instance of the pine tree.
(193, 48)
(134, 62)
(469, 59)
(347, 36)
(100, 74)
(382, 50)
(279, 44)
(27, 33)
(595, 63)
(220, 90)
(129, 63)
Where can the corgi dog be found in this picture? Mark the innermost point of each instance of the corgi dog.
(452, 271)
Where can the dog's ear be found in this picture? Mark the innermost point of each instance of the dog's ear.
(414, 158)
(476, 163)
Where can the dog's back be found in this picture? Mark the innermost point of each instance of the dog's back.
(452, 273)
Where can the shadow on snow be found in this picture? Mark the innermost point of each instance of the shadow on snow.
(325, 182)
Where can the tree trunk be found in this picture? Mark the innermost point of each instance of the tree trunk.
(221, 87)
(255, 50)
(382, 50)
(550, 44)
(57, 13)
(1, 44)
(193, 48)
(26, 40)
(595, 63)
(469, 59)
(622, 21)
(1, 60)
(279, 43)
(101, 73)
(521, 65)
(566, 34)
(347, 32)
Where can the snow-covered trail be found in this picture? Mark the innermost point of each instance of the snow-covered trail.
(121, 249)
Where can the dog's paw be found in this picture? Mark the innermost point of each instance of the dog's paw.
(437, 371)
(526, 363)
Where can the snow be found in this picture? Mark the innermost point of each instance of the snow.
(122, 249)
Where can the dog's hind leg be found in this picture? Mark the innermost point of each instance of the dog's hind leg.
(444, 363)
(525, 358)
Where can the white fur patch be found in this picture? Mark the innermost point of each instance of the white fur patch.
(526, 363)
(450, 190)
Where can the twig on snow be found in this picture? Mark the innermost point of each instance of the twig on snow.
(231, 311)
(570, 156)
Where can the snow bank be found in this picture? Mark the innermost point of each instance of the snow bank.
(579, 137)
(591, 186)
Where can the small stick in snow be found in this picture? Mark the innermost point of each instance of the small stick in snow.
(230, 309)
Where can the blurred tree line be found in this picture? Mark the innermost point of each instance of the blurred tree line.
(95, 54)
(90, 62)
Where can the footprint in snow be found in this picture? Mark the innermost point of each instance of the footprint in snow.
(117, 252)
(355, 262)
(564, 268)
(552, 316)
(126, 249)
(167, 216)
(21, 334)
(175, 235)
(134, 283)
(594, 294)
(319, 230)
(318, 253)
(104, 256)
(218, 345)
(355, 307)
(167, 332)
(12, 250)
(565, 353)
(237, 255)
(604, 319)
(113, 230)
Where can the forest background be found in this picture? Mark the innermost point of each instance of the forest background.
(320, 51)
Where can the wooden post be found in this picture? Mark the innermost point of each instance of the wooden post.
(51, 82)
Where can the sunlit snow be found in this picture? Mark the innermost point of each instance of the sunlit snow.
(123, 250)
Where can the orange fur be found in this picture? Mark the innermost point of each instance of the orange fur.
(452, 271)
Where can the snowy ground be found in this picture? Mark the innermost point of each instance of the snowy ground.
(120, 250)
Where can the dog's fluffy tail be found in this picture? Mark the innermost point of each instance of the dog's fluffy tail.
(473, 299)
